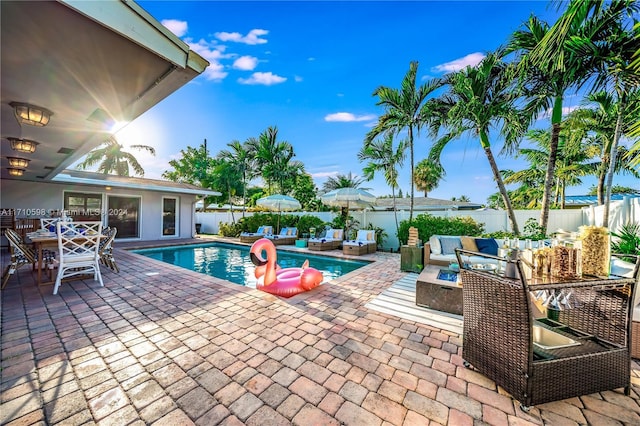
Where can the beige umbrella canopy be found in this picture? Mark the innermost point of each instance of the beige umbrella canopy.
(280, 203)
(349, 198)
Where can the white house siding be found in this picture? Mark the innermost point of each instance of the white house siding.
(32, 199)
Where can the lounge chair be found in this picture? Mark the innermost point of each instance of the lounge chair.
(252, 237)
(364, 243)
(331, 241)
(287, 236)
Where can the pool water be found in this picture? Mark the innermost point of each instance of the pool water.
(232, 262)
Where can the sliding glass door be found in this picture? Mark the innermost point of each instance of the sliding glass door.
(124, 214)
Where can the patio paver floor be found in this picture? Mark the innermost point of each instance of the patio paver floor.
(165, 346)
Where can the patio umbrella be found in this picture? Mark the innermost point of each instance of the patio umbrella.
(280, 203)
(353, 198)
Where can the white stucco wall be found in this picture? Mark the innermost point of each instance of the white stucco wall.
(35, 199)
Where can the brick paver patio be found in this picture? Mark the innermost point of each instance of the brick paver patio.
(164, 346)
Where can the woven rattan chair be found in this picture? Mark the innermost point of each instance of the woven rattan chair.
(500, 338)
(22, 255)
(78, 246)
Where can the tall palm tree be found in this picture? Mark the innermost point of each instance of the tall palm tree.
(477, 99)
(273, 159)
(428, 175)
(240, 157)
(383, 157)
(594, 32)
(113, 158)
(597, 119)
(545, 87)
(405, 109)
(573, 162)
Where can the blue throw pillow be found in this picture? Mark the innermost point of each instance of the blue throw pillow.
(450, 244)
(487, 246)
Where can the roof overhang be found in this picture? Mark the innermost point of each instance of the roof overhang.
(92, 63)
(112, 181)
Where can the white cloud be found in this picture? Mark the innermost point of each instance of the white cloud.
(321, 175)
(297, 78)
(253, 37)
(346, 117)
(471, 59)
(264, 78)
(311, 59)
(213, 53)
(245, 63)
(179, 28)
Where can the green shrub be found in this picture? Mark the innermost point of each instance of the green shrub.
(309, 221)
(428, 225)
(532, 230)
(627, 241)
(229, 229)
(499, 234)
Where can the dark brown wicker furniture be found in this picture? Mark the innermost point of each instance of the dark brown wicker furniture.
(498, 335)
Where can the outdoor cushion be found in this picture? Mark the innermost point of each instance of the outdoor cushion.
(487, 246)
(370, 236)
(450, 244)
(259, 231)
(469, 243)
(434, 242)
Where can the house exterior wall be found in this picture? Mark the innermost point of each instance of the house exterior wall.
(37, 199)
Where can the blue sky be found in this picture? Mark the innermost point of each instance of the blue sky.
(310, 69)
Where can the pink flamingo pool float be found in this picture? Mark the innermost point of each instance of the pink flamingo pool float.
(285, 282)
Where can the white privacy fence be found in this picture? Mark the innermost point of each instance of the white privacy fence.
(620, 213)
(494, 220)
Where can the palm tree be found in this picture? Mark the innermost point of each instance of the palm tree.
(594, 32)
(383, 157)
(112, 158)
(598, 120)
(406, 108)
(545, 87)
(479, 98)
(240, 158)
(428, 175)
(273, 159)
(572, 163)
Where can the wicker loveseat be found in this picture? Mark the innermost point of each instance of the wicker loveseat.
(500, 334)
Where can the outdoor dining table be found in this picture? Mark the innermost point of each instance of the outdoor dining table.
(40, 243)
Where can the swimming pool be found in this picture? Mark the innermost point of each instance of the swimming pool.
(232, 262)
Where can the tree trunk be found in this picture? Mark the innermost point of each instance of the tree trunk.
(564, 190)
(502, 189)
(612, 163)
(602, 175)
(548, 180)
(412, 171)
(395, 210)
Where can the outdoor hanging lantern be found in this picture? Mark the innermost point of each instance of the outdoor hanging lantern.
(15, 172)
(23, 145)
(18, 162)
(31, 114)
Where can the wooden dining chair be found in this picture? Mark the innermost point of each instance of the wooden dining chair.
(78, 246)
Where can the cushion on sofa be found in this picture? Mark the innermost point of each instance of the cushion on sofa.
(434, 243)
(487, 246)
(469, 243)
(450, 244)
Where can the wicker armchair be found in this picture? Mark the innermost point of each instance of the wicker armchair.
(499, 334)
